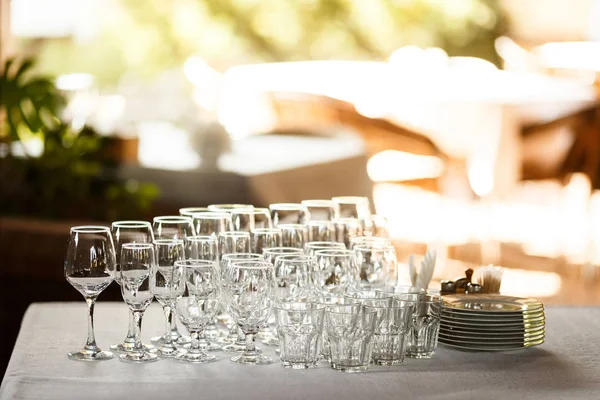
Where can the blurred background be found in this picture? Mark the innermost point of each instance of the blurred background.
(472, 125)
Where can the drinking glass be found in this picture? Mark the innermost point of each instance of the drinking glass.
(423, 335)
(264, 238)
(167, 288)
(234, 242)
(249, 288)
(322, 209)
(201, 247)
(212, 223)
(294, 277)
(337, 270)
(137, 273)
(293, 235)
(190, 211)
(172, 227)
(129, 232)
(262, 218)
(346, 229)
(353, 206)
(227, 207)
(90, 267)
(377, 265)
(350, 330)
(272, 253)
(321, 231)
(327, 301)
(235, 340)
(288, 213)
(311, 248)
(243, 219)
(392, 326)
(300, 327)
(198, 304)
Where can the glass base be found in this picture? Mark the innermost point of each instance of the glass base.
(252, 359)
(349, 368)
(197, 358)
(138, 357)
(388, 362)
(205, 346)
(299, 365)
(237, 348)
(167, 351)
(420, 354)
(179, 341)
(127, 347)
(87, 355)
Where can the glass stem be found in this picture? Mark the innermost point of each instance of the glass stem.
(137, 315)
(169, 324)
(195, 345)
(250, 345)
(90, 345)
(131, 328)
(174, 332)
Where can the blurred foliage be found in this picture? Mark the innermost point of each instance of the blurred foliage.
(150, 36)
(73, 177)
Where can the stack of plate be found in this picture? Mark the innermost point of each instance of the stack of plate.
(486, 322)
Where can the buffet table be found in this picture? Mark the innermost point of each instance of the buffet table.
(566, 366)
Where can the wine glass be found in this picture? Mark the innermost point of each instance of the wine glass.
(249, 288)
(295, 277)
(234, 242)
(348, 228)
(377, 265)
(172, 227)
(129, 232)
(190, 211)
(235, 340)
(212, 223)
(293, 235)
(272, 253)
(167, 282)
(201, 247)
(337, 271)
(264, 238)
(137, 274)
(262, 218)
(288, 213)
(90, 266)
(243, 219)
(327, 210)
(311, 247)
(198, 304)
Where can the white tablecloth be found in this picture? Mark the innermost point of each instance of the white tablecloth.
(567, 366)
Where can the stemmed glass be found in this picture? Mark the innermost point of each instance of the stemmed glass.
(190, 211)
(137, 273)
(377, 265)
(167, 278)
(198, 304)
(235, 340)
(288, 213)
(90, 267)
(212, 223)
(129, 232)
(346, 229)
(311, 247)
(337, 271)
(272, 253)
(172, 227)
(243, 219)
(321, 231)
(322, 209)
(264, 238)
(293, 235)
(234, 242)
(249, 288)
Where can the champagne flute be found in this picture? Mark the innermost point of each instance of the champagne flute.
(137, 274)
(129, 232)
(90, 267)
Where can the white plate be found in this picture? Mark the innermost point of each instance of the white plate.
(474, 348)
(490, 303)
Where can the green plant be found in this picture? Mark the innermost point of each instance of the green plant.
(73, 177)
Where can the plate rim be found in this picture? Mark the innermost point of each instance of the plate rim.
(491, 349)
(525, 303)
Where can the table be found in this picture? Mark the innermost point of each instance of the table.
(566, 366)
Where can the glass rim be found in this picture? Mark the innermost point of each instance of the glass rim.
(390, 306)
(360, 309)
(164, 241)
(324, 244)
(266, 230)
(90, 229)
(195, 263)
(296, 256)
(282, 250)
(131, 224)
(190, 210)
(172, 218)
(234, 234)
(228, 206)
(429, 298)
(137, 246)
(252, 211)
(310, 306)
(372, 246)
(350, 199)
(200, 238)
(250, 264)
(287, 206)
(243, 256)
(211, 215)
(338, 252)
(339, 297)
